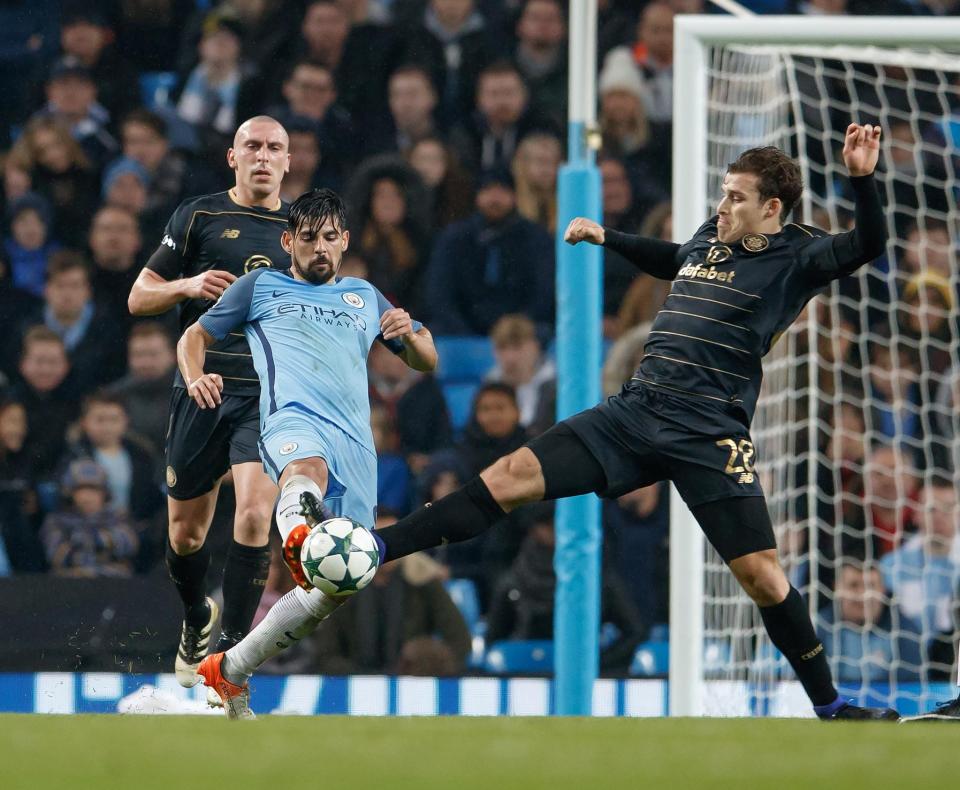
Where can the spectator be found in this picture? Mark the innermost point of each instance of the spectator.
(18, 499)
(311, 104)
(927, 249)
(541, 57)
(653, 55)
(60, 171)
(413, 102)
(522, 364)
(489, 138)
(393, 475)
(623, 359)
(416, 402)
(94, 343)
(71, 91)
(390, 226)
(454, 42)
(360, 56)
(305, 158)
(449, 185)
(523, 602)
(146, 29)
(535, 167)
(405, 601)
(48, 396)
(893, 387)
(494, 429)
(890, 490)
(628, 134)
(115, 244)
(636, 529)
(493, 263)
(209, 97)
(145, 389)
(131, 470)
(145, 139)
(924, 320)
(866, 635)
(126, 184)
(28, 246)
(88, 537)
(86, 34)
(924, 572)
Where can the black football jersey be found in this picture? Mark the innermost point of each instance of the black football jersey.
(215, 232)
(729, 303)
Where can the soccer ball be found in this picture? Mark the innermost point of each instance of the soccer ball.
(339, 557)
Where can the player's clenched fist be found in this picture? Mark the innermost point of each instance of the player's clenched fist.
(582, 229)
(206, 389)
(395, 323)
(209, 285)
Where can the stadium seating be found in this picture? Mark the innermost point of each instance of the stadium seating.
(459, 397)
(463, 358)
(651, 659)
(520, 656)
(156, 87)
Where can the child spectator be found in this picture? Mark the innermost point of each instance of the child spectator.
(28, 245)
(522, 364)
(88, 537)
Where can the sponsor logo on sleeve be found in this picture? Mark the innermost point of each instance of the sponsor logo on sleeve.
(168, 241)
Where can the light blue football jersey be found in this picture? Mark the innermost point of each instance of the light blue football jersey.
(309, 343)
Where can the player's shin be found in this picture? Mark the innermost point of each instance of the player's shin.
(244, 579)
(791, 631)
(466, 513)
(289, 620)
(289, 510)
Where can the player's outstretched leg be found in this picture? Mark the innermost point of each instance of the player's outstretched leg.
(741, 531)
(234, 698)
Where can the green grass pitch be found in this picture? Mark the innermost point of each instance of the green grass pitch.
(181, 753)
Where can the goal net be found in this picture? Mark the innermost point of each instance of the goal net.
(856, 427)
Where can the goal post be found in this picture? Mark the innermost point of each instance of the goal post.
(771, 80)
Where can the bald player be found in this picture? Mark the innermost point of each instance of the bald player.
(208, 243)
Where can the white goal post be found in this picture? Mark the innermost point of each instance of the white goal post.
(709, 130)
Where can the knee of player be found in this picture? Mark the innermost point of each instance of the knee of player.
(253, 520)
(763, 579)
(515, 478)
(185, 539)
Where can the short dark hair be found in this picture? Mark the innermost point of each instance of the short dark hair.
(147, 118)
(498, 387)
(143, 329)
(313, 208)
(102, 398)
(778, 176)
(66, 260)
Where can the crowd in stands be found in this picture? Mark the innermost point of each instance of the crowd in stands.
(442, 122)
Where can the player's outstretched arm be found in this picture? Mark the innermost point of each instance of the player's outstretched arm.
(152, 294)
(204, 388)
(841, 254)
(418, 350)
(655, 257)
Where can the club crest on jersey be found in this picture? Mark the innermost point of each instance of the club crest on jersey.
(352, 299)
(288, 448)
(755, 242)
(171, 477)
(719, 253)
(256, 262)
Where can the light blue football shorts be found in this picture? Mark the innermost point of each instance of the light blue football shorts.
(291, 434)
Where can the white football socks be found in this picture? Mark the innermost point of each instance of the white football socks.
(289, 514)
(289, 620)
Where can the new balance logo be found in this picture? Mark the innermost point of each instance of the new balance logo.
(746, 478)
(230, 233)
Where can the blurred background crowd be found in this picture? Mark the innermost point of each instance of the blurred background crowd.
(442, 122)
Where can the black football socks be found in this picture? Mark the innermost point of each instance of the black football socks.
(244, 578)
(189, 575)
(469, 511)
(789, 628)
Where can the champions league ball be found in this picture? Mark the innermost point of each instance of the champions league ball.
(339, 557)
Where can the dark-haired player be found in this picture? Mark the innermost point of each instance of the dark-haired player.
(209, 242)
(685, 416)
(310, 332)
